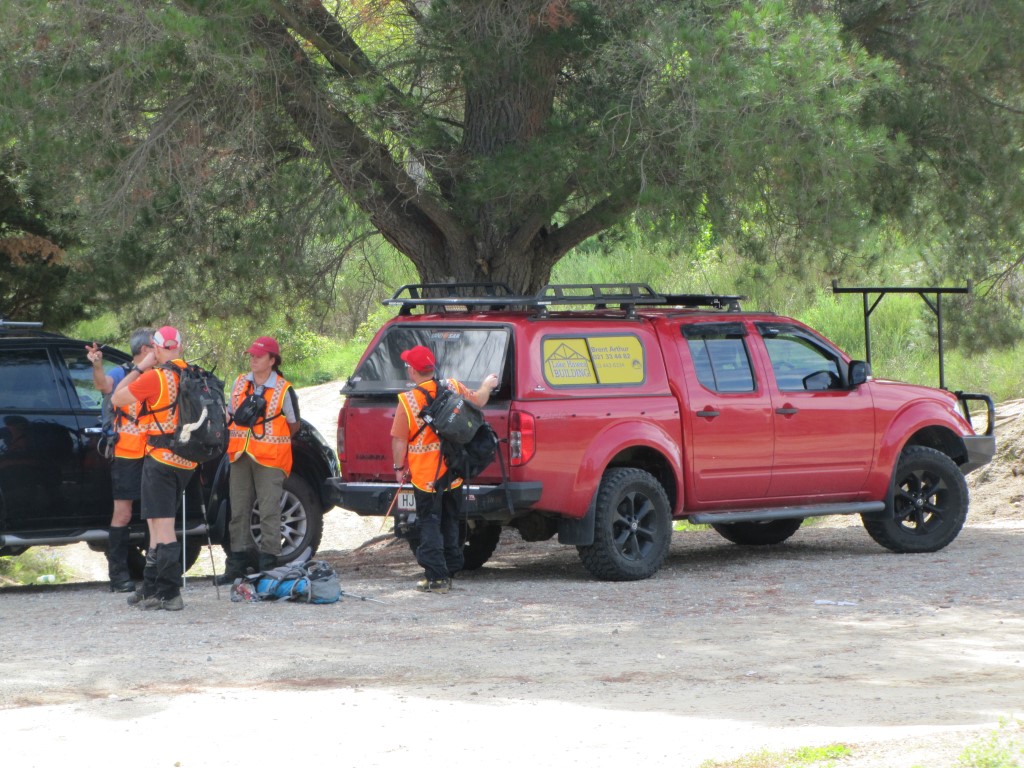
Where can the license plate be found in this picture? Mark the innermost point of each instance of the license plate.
(406, 501)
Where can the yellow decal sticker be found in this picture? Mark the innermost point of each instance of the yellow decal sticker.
(607, 360)
(567, 361)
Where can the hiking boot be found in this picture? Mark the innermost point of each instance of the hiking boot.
(118, 544)
(162, 603)
(267, 562)
(137, 597)
(235, 567)
(122, 586)
(434, 585)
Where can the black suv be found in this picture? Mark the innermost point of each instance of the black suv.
(55, 485)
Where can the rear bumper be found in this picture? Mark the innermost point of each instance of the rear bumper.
(480, 502)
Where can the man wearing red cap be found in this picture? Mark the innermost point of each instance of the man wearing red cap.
(417, 459)
(264, 413)
(153, 382)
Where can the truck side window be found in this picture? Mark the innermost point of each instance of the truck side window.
(799, 364)
(720, 358)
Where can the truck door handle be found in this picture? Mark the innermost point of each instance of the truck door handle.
(787, 411)
(93, 430)
(707, 414)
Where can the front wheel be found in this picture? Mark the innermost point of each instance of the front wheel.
(632, 527)
(927, 503)
(762, 533)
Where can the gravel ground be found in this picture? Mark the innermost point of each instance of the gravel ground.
(726, 651)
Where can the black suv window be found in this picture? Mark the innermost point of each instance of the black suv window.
(468, 354)
(800, 361)
(720, 357)
(89, 398)
(27, 381)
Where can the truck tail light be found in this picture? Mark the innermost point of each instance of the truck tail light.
(341, 436)
(522, 438)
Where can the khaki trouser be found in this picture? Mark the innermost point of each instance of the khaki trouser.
(251, 482)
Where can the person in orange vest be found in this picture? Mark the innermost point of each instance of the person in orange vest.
(153, 383)
(264, 411)
(129, 450)
(417, 459)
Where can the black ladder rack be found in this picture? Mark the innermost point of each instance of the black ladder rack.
(498, 296)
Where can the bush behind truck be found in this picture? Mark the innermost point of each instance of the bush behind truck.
(620, 409)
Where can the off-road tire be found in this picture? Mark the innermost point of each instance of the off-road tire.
(481, 541)
(478, 544)
(760, 533)
(927, 503)
(632, 527)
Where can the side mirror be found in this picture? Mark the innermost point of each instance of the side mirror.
(859, 372)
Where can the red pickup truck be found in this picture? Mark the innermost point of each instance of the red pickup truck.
(620, 409)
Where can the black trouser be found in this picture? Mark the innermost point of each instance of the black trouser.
(439, 552)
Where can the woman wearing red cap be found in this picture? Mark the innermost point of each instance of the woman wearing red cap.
(417, 455)
(264, 411)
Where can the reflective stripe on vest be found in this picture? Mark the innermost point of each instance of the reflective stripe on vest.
(163, 419)
(271, 444)
(131, 434)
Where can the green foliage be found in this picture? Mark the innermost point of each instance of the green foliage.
(27, 568)
(802, 757)
(1004, 748)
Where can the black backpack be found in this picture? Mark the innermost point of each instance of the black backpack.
(202, 430)
(468, 443)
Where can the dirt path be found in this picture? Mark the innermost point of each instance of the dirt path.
(728, 650)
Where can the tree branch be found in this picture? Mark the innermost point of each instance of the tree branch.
(363, 166)
(599, 217)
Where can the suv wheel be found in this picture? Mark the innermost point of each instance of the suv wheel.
(927, 503)
(632, 527)
(759, 533)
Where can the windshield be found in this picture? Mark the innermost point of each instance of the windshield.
(468, 354)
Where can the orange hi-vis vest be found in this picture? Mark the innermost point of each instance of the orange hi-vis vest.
(162, 417)
(131, 432)
(269, 441)
(426, 464)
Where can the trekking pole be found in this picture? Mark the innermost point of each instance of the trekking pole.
(393, 502)
(209, 548)
(364, 599)
(184, 535)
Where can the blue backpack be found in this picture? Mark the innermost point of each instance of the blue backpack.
(312, 581)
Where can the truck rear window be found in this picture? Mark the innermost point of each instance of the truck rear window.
(466, 353)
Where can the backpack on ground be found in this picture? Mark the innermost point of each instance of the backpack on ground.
(311, 581)
(202, 430)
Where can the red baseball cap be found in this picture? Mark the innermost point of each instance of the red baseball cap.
(419, 358)
(167, 338)
(265, 345)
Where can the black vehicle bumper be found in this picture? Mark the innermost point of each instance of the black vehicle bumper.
(980, 451)
(480, 502)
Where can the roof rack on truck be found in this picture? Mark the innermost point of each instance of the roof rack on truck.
(448, 297)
